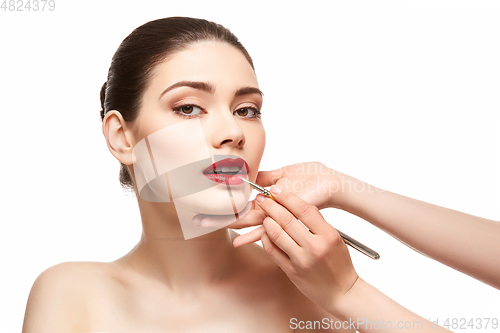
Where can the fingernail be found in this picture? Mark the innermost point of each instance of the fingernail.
(259, 198)
(275, 189)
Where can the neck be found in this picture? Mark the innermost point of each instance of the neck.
(164, 254)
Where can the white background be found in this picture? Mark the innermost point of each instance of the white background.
(401, 94)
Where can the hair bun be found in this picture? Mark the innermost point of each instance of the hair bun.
(103, 99)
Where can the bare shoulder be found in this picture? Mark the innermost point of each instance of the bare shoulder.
(57, 299)
(70, 276)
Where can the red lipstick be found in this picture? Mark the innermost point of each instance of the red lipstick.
(226, 171)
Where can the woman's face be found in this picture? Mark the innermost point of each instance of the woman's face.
(202, 106)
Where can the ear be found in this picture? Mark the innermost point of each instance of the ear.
(118, 136)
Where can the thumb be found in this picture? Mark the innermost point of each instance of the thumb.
(268, 178)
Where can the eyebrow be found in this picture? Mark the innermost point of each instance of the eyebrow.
(210, 88)
(248, 91)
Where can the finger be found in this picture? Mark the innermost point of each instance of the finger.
(278, 256)
(216, 221)
(268, 178)
(279, 237)
(250, 237)
(246, 218)
(286, 220)
(251, 219)
(306, 213)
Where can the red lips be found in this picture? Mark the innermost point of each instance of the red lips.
(237, 167)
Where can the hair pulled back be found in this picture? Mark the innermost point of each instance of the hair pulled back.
(140, 52)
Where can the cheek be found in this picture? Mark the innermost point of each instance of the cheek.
(262, 142)
(256, 150)
(152, 119)
(171, 151)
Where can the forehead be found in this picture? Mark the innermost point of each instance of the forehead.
(218, 63)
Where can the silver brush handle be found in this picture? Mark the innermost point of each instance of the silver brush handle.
(359, 246)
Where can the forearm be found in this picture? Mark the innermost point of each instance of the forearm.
(464, 242)
(369, 310)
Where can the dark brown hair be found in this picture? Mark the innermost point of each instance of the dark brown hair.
(141, 51)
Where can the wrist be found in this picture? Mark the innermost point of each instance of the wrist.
(342, 306)
(342, 193)
(354, 194)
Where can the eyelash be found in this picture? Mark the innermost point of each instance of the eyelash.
(177, 111)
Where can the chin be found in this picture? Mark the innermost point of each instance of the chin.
(216, 200)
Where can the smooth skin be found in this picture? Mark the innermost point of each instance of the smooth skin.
(317, 261)
(166, 283)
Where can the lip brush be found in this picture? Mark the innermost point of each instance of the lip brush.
(348, 240)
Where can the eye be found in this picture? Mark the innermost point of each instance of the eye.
(188, 110)
(248, 112)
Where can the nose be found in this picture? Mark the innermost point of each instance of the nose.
(224, 131)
